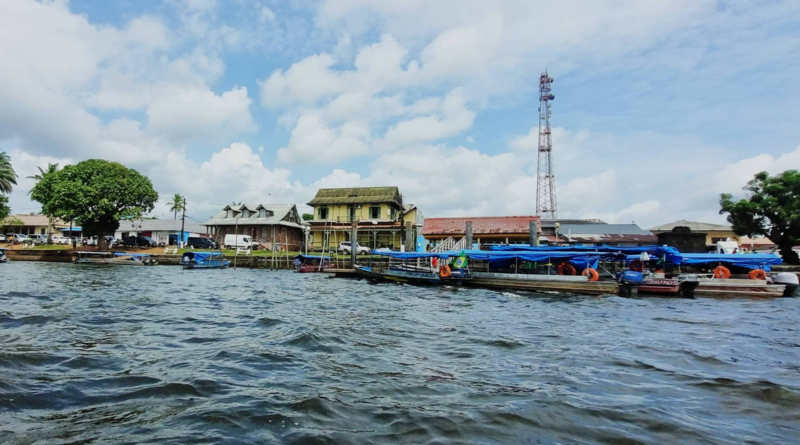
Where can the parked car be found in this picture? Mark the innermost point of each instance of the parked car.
(138, 241)
(2, 238)
(19, 238)
(346, 247)
(59, 240)
(237, 241)
(200, 243)
(37, 239)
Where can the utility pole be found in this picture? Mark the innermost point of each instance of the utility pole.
(183, 222)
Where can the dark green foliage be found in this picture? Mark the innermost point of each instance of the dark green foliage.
(772, 209)
(96, 193)
(308, 216)
(5, 210)
(7, 175)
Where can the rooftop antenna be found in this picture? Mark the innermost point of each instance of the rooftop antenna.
(546, 178)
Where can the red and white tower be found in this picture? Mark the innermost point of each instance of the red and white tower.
(546, 181)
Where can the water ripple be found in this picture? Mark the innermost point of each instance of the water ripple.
(161, 355)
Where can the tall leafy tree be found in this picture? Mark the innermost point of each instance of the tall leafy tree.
(771, 209)
(97, 194)
(7, 175)
(176, 205)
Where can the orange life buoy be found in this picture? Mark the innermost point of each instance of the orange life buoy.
(566, 269)
(591, 273)
(722, 272)
(758, 274)
(444, 272)
(435, 261)
(637, 266)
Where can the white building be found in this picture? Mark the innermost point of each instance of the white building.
(162, 231)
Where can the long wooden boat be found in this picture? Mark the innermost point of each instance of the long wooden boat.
(572, 284)
(204, 260)
(734, 287)
(667, 287)
(400, 276)
(113, 259)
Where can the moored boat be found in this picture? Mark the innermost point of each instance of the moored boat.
(420, 268)
(3, 257)
(113, 259)
(311, 264)
(204, 260)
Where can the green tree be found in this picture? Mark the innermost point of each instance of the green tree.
(771, 209)
(176, 205)
(97, 193)
(7, 175)
(308, 216)
(5, 210)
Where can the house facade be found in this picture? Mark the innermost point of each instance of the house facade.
(162, 231)
(34, 225)
(713, 232)
(381, 218)
(265, 223)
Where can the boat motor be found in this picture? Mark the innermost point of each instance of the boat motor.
(788, 279)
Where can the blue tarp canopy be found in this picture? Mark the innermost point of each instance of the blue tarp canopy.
(204, 256)
(311, 257)
(627, 250)
(74, 229)
(415, 255)
(580, 260)
(748, 261)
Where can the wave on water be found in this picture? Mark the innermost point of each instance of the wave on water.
(257, 356)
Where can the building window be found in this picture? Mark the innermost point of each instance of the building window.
(262, 213)
(352, 210)
(42, 231)
(323, 213)
(374, 212)
(245, 213)
(392, 213)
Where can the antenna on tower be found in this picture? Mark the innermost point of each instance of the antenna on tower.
(546, 177)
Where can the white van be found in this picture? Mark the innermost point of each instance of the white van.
(243, 241)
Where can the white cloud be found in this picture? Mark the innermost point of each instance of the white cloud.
(266, 15)
(313, 140)
(184, 114)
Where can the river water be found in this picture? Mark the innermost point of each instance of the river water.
(163, 355)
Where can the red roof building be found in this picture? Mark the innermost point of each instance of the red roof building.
(491, 229)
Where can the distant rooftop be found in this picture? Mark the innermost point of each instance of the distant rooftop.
(357, 195)
(480, 225)
(694, 226)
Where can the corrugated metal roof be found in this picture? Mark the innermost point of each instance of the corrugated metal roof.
(602, 229)
(38, 220)
(600, 238)
(279, 212)
(694, 226)
(484, 225)
(357, 195)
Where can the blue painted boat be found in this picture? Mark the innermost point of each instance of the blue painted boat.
(204, 260)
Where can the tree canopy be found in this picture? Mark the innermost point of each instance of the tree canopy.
(5, 210)
(308, 216)
(96, 193)
(7, 175)
(772, 209)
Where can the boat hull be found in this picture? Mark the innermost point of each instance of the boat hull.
(666, 287)
(543, 283)
(311, 269)
(400, 276)
(217, 264)
(732, 288)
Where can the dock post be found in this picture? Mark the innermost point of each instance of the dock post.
(533, 237)
(353, 244)
(469, 235)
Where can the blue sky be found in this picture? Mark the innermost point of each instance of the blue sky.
(660, 106)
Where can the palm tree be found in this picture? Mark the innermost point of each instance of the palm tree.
(7, 174)
(177, 204)
(51, 168)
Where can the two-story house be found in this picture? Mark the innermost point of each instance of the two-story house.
(381, 218)
(266, 223)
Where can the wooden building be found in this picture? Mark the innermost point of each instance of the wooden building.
(381, 217)
(485, 229)
(265, 223)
